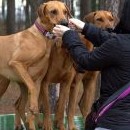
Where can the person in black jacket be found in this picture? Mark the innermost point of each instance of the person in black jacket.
(111, 57)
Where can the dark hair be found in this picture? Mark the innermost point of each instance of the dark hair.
(124, 24)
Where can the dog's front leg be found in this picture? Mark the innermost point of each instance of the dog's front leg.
(73, 98)
(32, 90)
(47, 125)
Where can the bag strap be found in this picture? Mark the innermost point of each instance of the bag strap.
(120, 94)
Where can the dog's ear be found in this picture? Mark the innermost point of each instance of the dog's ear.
(116, 19)
(41, 10)
(90, 17)
(68, 11)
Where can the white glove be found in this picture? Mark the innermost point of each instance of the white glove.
(59, 30)
(76, 24)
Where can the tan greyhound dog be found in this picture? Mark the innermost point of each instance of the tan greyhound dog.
(26, 54)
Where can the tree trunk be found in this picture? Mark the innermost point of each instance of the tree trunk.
(68, 3)
(85, 8)
(40, 2)
(3, 8)
(27, 16)
(10, 16)
(33, 4)
(30, 18)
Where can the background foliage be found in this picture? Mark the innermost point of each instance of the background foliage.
(16, 15)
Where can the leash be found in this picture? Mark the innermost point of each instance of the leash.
(117, 96)
(46, 33)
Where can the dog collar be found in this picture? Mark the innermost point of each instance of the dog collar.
(46, 33)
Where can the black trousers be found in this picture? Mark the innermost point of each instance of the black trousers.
(89, 123)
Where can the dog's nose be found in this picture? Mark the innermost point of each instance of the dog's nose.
(109, 29)
(64, 22)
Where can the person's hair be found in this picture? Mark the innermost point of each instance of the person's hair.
(124, 24)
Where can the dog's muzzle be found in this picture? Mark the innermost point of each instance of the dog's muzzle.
(109, 29)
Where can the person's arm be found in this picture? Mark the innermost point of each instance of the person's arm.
(103, 56)
(96, 35)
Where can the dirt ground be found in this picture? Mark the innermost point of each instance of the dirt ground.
(11, 95)
(8, 99)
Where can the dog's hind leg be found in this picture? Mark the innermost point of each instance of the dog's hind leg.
(4, 83)
(73, 98)
(89, 93)
(63, 97)
(20, 106)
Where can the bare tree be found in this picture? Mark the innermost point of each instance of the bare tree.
(27, 16)
(31, 11)
(85, 7)
(10, 16)
(3, 8)
(33, 4)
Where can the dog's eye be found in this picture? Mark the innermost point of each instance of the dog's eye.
(99, 19)
(54, 12)
(65, 12)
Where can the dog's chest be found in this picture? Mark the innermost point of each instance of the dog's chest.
(39, 68)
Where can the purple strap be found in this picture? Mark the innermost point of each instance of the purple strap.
(107, 107)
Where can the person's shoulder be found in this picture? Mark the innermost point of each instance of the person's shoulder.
(119, 41)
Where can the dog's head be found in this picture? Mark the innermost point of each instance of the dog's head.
(54, 12)
(102, 19)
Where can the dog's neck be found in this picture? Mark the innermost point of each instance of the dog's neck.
(44, 29)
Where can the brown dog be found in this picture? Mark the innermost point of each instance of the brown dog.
(27, 53)
(102, 19)
(61, 71)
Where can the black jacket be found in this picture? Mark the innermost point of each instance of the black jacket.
(111, 57)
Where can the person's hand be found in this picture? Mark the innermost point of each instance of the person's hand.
(59, 30)
(76, 24)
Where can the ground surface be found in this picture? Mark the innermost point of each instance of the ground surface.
(8, 99)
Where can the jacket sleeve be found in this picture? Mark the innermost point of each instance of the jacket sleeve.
(96, 35)
(99, 58)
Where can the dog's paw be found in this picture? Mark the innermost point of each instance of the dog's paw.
(21, 127)
(47, 125)
(33, 109)
(40, 125)
(72, 127)
(59, 125)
